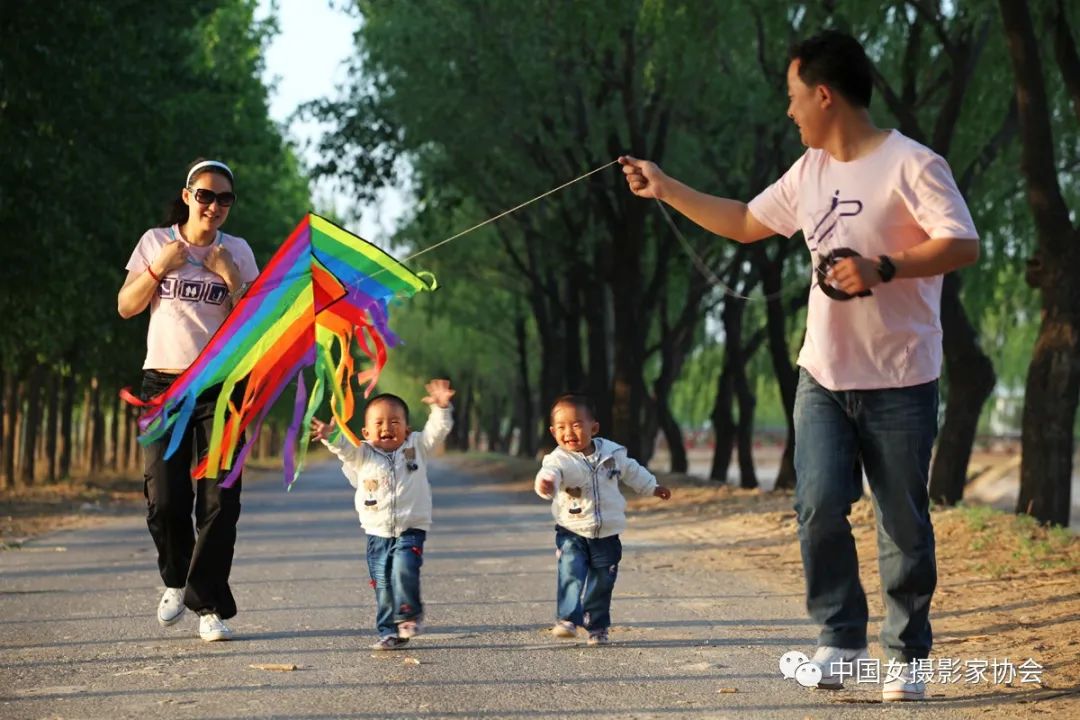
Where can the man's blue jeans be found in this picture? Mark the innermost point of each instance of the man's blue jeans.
(394, 566)
(892, 431)
(586, 577)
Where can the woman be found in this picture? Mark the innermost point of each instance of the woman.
(189, 273)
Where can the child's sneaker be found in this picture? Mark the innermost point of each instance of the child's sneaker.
(409, 629)
(598, 637)
(389, 642)
(564, 629)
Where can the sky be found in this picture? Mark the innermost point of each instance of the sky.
(305, 61)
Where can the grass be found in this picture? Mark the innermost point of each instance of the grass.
(1016, 541)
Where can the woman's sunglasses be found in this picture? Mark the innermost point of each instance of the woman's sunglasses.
(206, 197)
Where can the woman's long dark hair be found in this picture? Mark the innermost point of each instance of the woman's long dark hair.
(176, 212)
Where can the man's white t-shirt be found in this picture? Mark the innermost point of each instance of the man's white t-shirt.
(190, 303)
(895, 197)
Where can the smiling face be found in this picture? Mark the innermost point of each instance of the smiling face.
(808, 106)
(385, 425)
(573, 427)
(207, 218)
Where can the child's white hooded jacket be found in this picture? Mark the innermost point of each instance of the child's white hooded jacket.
(587, 499)
(392, 490)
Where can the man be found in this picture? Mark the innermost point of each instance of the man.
(883, 220)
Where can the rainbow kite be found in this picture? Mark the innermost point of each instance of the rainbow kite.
(323, 287)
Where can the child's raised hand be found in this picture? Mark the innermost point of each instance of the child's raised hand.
(545, 483)
(661, 492)
(321, 430)
(438, 393)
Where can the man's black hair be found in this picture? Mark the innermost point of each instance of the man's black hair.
(838, 60)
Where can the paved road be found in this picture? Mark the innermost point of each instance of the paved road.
(79, 636)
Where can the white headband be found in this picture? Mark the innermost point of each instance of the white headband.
(206, 164)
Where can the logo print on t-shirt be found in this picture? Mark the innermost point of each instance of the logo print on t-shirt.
(216, 293)
(167, 288)
(824, 248)
(193, 291)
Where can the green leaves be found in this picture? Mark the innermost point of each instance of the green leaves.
(102, 107)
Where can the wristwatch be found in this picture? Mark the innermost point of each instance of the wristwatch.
(885, 268)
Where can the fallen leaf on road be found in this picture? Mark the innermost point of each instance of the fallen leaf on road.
(277, 667)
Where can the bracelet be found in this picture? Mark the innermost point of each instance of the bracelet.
(151, 271)
(235, 294)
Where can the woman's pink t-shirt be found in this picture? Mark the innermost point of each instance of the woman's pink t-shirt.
(190, 303)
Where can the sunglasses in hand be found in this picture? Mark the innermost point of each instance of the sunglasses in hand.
(206, 197)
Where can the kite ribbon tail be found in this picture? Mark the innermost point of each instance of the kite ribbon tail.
(313, 403)
(377, 356)
(291, 470)
(238, 464)
(131, 399)
(179, 426)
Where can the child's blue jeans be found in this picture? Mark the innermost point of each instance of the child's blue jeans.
(586, 577)
(394, 566)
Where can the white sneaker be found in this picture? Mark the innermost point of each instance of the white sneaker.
(171, 608)
(836, 662)
(904, 687)
(212, 628)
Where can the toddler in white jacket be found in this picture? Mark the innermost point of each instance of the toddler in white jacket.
(581, 478)
(393, 498)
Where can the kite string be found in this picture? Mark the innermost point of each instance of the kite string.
(507, 212)
(703, 268)
(698, 262)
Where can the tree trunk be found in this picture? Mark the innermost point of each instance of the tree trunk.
(599, 342)
(494, 427)
(31, 426)
(97, 429)
(11, 417)
(527, 435)
(723, 426)
(1053, 381)
(971, 380)
(67, 411)
(673, 436)
(274, 440)
(787, 373)
(574, 373)
(458, 439)
(628, 389)
(130, 428)
(114, 434)
(1050, 400)
(85, 420)
(52, 428)
(745, 433)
